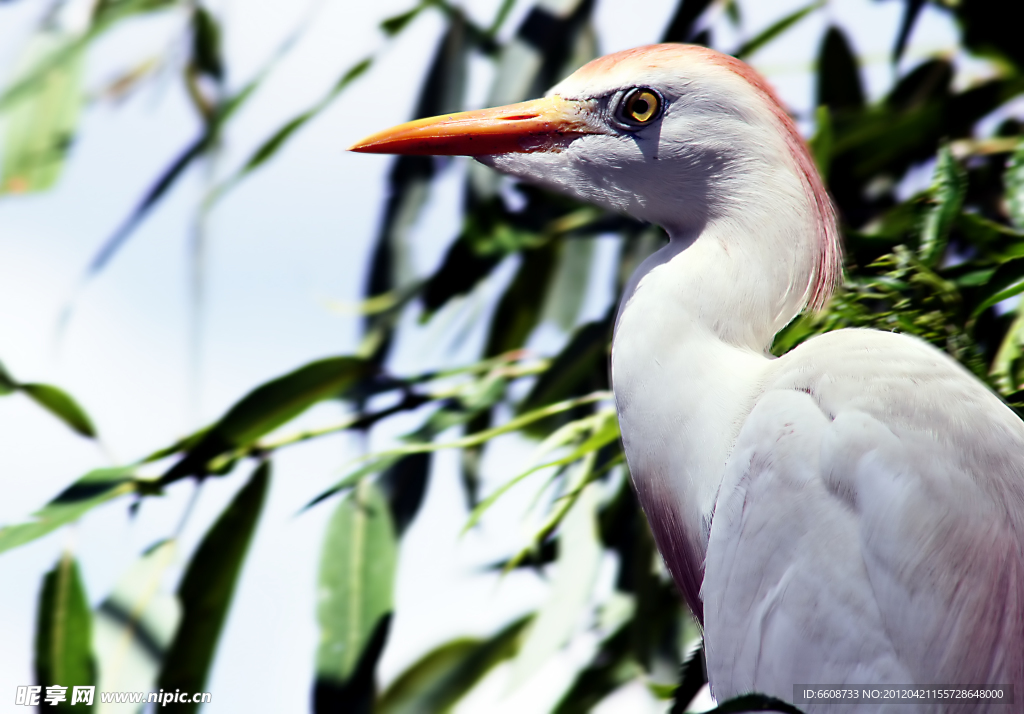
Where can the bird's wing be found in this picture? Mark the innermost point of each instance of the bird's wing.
(869, 526)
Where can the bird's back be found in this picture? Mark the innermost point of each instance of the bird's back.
(869, 528)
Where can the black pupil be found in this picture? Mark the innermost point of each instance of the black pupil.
(640, 106)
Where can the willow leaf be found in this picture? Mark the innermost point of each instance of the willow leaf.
(135, 625)
(95, 488)
(207, 589)
(53, 399)
(437, 681)
(692, 678)
(682, 27)
(107, 15)
(507, 428)
(355, 599)
(605, 429)
(1014, 180)
(949, 186)
(272, 145)
(41, 123)
(269, 406)
(579, 555)
(910, 14)
(61, 405)
(612, 666)
(409, 184)
(775, 29)
(839, 83)
(64, 632)
(1004, 364)
(821, 143)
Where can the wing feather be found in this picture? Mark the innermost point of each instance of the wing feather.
(869, 527)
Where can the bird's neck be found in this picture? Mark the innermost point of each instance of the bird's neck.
(688, 360)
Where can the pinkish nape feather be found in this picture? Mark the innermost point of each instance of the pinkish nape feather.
(830, 258)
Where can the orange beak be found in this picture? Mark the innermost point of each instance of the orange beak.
(536, 125)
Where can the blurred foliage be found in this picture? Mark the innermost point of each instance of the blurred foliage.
(64, 631)
(206, 589)
(944, 263)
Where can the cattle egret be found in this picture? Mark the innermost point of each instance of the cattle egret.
(852, 512)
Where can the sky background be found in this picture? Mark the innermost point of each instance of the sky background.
(286, 253)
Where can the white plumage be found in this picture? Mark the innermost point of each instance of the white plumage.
(852, 512)
(866, 526)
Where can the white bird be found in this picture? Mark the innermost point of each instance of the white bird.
(850, 513)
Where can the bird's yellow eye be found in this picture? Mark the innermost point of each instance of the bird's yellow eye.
(640, 106)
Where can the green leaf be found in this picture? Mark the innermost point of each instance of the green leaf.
(1014, 180)
(681, 27)
(535, 58)
(404, 484)
(519, 310)
(569, 283)
(601, 434)
(186, 443)
(193, 151)
(821, 143)
(949, 186)
(611, 667)
(839, 84)
(553, 34)
(206, 44)
(928, 82)
(268, 407)
(377, 464)
(439, 679)
(1006, 282)
(135, 625)
(775, 29)
(692, 678)
(500, 16)
(473, 400)
(106, 14)
(272, 145)
(396, 23)
(1005, 368)
(61, 405)
(986, 31)
(994, 240)
(152, 197)
(64, 632)
(579, 555)
(580, 368)
(207, 587)
(480, 437)
(409, 183)
(603, 427)
(910, 14)
(41, 123)
(460, 271)
(93, 489)
(354, 602)
(54, 400)
(7, 383)
(281, 400)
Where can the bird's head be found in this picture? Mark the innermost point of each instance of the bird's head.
(677, 135)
